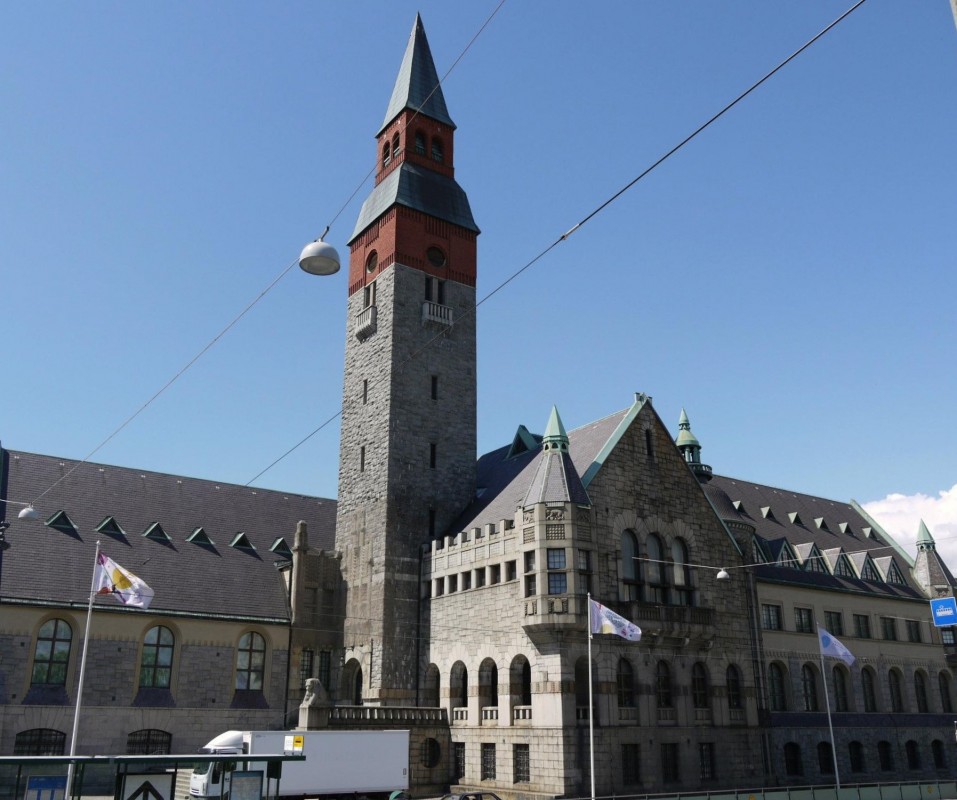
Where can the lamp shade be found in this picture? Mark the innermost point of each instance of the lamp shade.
(28, 513)
(319, 258)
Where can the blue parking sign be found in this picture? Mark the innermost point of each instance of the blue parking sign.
(944, 611)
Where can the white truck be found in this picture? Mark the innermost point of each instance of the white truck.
(339, 764)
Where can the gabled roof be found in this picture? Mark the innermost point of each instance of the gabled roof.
(417, 85)
(44, 565)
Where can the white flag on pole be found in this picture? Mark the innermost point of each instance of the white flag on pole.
(832, 647)
(111, 578)
(604, 620)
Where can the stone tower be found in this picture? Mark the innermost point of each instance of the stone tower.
(407, 451)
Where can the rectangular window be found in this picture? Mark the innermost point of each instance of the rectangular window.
(630, 764)
(556, 558)
(706, 760)
(432, 455)
(439, 587)
(466, 580)
(803, 620)
(557, 583)
(453, 583)
(511, 573)
(834, 622)
(530, 561)
(429, 282)
(495, 574)
(306, 663)
(488, 761)
(913, 630)
(584, 572)
(325, 667)
(368, 295)
(889, 628)
(435, 387)
(479, 577)
(771, 617)
(365, 392)
(862, 626)
(947, 635)
(530, 585)
(670, 767)
(362, 458)
(522, 769)
(458, 761)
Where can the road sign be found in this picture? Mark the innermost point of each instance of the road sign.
(944, 611)
(151, 786)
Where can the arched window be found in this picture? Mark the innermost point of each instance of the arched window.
(438, 151)
(357, 687)
(940, 755)
(867, 688)
(156, 665)
(839, 681)
(897, 694)
(39, 742)
(700, 692)
(630, 567)
(777, 692)
(488, 683)
(943, 683)
(663, 693)
(913, 754)
(419, 143)
(395, 146)
(793, 764)
(657, 574)
(733, 680)
(681, 572)
(526, 693)
(430, 697)
(431, 753)
(808, 688)
(626, 684)
(920, 692)
(825, 758)
(855, 752)
(372, 261)
(148, 742)
(52, 654)
(459, 685)
(885, 755)
(386, 155)
(250, 662)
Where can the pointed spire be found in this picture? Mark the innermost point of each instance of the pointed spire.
(924, 539)
(555, 480)
(690, 449)
(555, 435)
(685, 437)
(417, 86)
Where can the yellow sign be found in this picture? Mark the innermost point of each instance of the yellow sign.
(297, 742)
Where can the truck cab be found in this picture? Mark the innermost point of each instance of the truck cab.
(211, 779)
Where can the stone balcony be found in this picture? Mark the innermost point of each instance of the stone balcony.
(366, 322)
(436, 312)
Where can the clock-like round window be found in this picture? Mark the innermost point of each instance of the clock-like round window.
(436, 257)
(372, 261)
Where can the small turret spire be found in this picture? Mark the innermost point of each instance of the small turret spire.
(924, 540)
(555, 436)
(690, 449)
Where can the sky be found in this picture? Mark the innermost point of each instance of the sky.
(787, 277)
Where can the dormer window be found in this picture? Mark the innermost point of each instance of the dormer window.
(438, 150)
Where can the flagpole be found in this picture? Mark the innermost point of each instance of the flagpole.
(591, 710)
(79, 690)
(827, 704)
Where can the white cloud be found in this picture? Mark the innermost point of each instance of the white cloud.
(900, 516)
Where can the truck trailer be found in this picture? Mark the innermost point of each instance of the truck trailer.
(339, 764)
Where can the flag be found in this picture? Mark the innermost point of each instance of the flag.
(832, 647)
(604, 620)
(110, 578)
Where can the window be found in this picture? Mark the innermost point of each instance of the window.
(362, 458)
(458, 761)
(630, 567)
(156, 665)
(630, 764)
(862, 626)
(495, 574)
(149, 742)
(365, 391)
(913, 630)
(897, 695)
(663, 685)
(733, 679)
(453, 583)
(479, 578)
(855, 751)
(885, 756)
(706, 760)
(386, 155)
(776, 688)
(420, 151)
(670, 764)
(521, 769)
(584, 571)
(52, 654)
(920, 692)
(699, 686)
(39, 742)
(803, 620)
(681, 573)
(325, 668)
(511, 573)
(531, 586)
(435, 256)
(771, 617)
(529, 559)
(825, 758)
(940, 756)
(943, 684)
(488, 761)
(947, 635)
(250, 662)
(889, 628)
(432, 455)
(839, 680)
(657, 574)
(867, 688)
(438, 151)
(793, 765)
(435, 387)
(432, 522)
(466, 581)
(626, 684)
(395, 146)
(808, 688)
(430, 753)
(913, 754)
(834, 622)
(368, 293)
(557, 581)
(372, 261)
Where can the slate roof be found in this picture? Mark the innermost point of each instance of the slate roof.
(504, 483)
(805, 521)
(417, 85)
(420, 189)
(43, 564)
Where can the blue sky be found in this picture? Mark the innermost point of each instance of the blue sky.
(787, 277)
